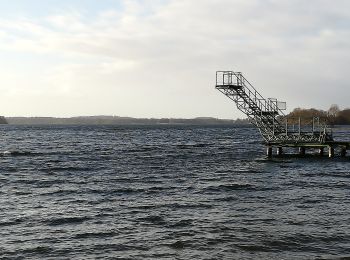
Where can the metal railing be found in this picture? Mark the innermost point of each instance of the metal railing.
(313, 125)
(231, 78)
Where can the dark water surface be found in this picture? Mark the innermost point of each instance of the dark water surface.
(167, 192)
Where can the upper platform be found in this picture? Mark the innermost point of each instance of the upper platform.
(229, 79)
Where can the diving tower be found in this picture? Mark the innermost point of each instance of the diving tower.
(277, 129)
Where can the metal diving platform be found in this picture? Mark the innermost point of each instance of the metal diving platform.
(277, 129)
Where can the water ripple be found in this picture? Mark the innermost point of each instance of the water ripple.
(166, 192)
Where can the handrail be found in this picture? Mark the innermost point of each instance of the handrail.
(266, 105)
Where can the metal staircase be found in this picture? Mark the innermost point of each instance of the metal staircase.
(267, 114)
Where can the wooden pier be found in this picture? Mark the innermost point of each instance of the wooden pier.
(278, 130)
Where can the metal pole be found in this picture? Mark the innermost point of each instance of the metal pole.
(299, 125)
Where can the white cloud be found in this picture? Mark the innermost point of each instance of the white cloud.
(158, 58)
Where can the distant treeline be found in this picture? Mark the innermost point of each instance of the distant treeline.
(3, 120)
(116, 120)
(334, 115)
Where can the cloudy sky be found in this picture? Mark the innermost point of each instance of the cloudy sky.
(157, 58)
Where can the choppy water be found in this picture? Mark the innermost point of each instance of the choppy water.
(167, 192)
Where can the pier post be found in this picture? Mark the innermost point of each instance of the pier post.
(321, 151)
(330, 152)
(269, 151)
(343, 152)
(279, 151)
(302, 151)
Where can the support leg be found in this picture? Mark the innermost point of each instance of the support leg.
(269, 151)
(343, 152)
(321, 151)
(330, 152)
(279, 151)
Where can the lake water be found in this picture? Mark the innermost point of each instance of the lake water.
(166, 192)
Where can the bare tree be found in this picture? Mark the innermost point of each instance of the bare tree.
(333, 110)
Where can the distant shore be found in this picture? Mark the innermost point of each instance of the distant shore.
(116, 120)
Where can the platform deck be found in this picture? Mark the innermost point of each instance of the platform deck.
(333, 144)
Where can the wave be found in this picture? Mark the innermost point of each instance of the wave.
(95, 235)
(178, 245)
(231, 187)
(37, 250)
(11, 222)
(16, 153)
(67, 221)
(67, 168)
(153, 219)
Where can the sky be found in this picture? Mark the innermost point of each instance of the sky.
(158, 58)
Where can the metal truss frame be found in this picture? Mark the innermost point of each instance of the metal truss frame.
(265, 114)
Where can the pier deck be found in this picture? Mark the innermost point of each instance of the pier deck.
(312, 145)
(331, 146)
